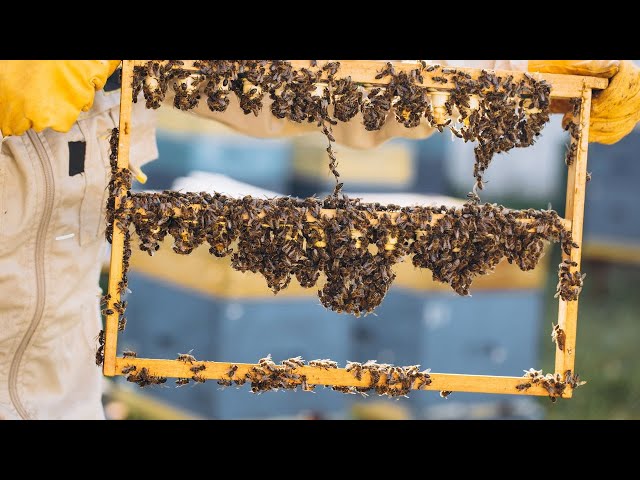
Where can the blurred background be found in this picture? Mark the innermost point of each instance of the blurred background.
(198, 302)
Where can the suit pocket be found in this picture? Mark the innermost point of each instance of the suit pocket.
(97, 131)
(19, 194)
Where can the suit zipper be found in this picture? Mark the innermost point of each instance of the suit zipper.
(41, 238)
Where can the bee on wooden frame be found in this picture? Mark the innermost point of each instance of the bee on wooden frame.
(186, 357)
(198, 368)
(294, 363)
(323, 363)
(128, 369)
(558, 336)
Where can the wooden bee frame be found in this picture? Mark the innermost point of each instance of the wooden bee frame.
(562, 87)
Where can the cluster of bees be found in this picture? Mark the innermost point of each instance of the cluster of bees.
(574, 131)
(554, 383)
(119, 187)
(499, 113)
(100, 350)
(266, 375)
(274, 237)
(569, 283)
(143, 378)
(355, 247)
(120, 182)
(195, 369)
(384, 379)
(558, 336)
(118, 307)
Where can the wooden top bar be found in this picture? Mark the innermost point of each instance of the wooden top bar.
(365, 71)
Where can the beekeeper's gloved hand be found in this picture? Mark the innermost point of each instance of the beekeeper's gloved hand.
(43, 94)
(615, 110)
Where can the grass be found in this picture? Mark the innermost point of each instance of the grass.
(607, 350)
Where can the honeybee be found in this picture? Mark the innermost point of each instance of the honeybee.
(558, 336)
(198, 368)
(186, 357)
(266, 360)
(324, 363)
(100, 349)
(100, 355)
(305, 386)
(355, 368)
(347, 390)
(128, 369)
(239, 381)
(293, 363)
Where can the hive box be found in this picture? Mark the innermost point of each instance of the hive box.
(611, 219)
(494, 332)
(166, 319)
(187, 143)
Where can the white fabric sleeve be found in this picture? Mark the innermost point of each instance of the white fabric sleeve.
(517, 65)
(265, 125)
(351, 134)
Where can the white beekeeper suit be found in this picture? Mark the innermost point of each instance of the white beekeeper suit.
(52, 242)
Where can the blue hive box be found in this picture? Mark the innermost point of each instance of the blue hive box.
(165, 320)
(612, 221)
(262, 162)
(491, 333)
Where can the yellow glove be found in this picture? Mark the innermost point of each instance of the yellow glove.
(615, 110)
(43, 94)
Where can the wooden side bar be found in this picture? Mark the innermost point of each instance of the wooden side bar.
(117, 244)
(574, 211)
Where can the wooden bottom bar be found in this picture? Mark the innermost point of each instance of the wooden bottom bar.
(340, 377)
